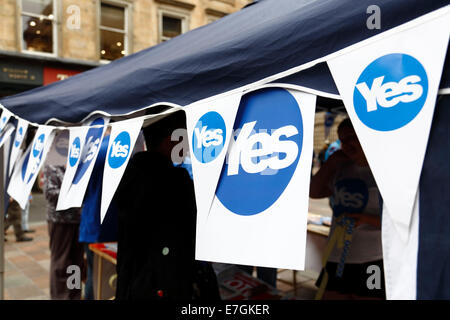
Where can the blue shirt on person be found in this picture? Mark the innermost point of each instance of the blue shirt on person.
(91, 231)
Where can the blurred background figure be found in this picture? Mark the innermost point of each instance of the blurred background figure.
(63, 226)
(157, 221)
(14, 218)
(354, 243)
(26, 215)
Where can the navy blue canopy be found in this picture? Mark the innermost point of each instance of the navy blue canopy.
(263, 39)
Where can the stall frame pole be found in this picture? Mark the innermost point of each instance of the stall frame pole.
(2, 224)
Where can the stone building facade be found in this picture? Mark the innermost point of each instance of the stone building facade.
(77, 35)
(42, 41)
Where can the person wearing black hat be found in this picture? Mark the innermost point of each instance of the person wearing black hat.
(157, 220)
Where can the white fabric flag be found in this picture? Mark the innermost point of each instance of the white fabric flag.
(389, 88)
(400, 258)
(259, 212)
(4, 118)
(83, 163)
(6, 133)
(27, 169)
(77, 137)
(120, 147)
(21, 130)
(209, 128)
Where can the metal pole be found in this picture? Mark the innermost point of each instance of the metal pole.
(2, 224)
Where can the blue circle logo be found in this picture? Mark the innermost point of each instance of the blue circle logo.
(90, 148)
(35, 164)
(75, 152)
(119, 150)
(264, 152)
(38, 145)
(19, 137)
(390, 92)
(208, 137)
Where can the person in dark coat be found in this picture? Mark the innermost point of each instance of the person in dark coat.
(157, 220)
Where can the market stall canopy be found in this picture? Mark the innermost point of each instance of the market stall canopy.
(252, 46)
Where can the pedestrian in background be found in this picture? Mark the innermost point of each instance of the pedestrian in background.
(157, 220)
(26, 216)
(14, 213)
(14, 218)
(354, 243)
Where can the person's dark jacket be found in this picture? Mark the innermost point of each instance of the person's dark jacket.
(157, 220)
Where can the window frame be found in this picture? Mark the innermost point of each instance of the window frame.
(55, 20)
(126, 31)
(171, 13)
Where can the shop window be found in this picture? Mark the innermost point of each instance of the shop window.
(113, 31)
(38, 26)
(171, 25)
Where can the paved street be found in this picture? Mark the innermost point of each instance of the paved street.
(27, 266)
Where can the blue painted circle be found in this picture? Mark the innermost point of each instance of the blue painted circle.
(62, 142)
(75, 152)
(91, 145)
(390, 92)
(251, 193)
(25, 166)
(208, 137)
(119, 150)
(38, 145)
(36, 166)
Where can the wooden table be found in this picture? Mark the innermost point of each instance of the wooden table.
(103, 253)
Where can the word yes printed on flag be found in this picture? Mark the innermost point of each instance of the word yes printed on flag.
(390, 94)
(207, 138)
(118, 150)
(243, 149)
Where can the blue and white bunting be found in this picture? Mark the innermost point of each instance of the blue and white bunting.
(4, 117)
(84, 145)
(27, 169)
(21, 131)
(120, 148)
(389, 86)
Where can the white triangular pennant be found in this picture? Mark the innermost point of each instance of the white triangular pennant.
(21, 131)
(4, 118)
(399, 257)
(389, 89)
(209, 128)
(121, 143)
(77, 137)
(261, 201)
(26, 171)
